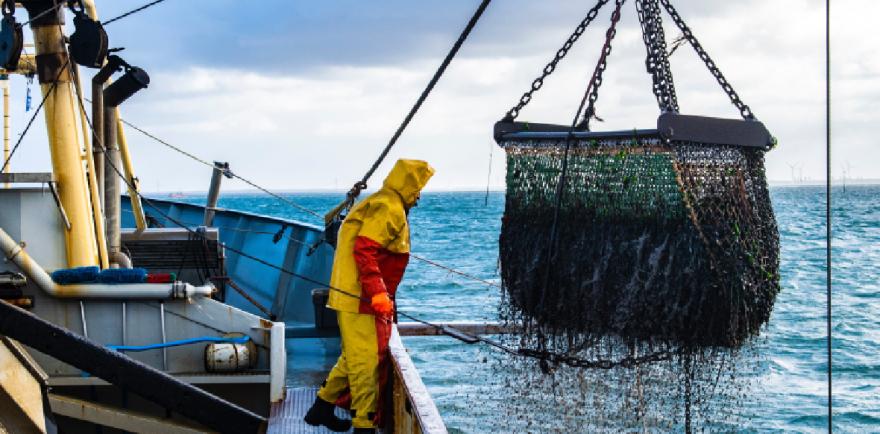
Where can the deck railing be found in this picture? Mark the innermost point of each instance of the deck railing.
(414, 411)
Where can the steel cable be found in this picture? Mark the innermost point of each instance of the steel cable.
(31, 121)
(828, 283)
(415, 108)
(131, 12)
(235, 175)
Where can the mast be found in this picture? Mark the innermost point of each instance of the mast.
(53, 71)
(5, 84)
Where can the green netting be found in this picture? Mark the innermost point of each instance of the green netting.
(656, 242)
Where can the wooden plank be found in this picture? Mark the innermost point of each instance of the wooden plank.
(414, 409)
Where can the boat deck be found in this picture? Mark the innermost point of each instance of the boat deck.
(286, 417)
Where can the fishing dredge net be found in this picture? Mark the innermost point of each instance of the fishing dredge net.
(655, 241)
(641, 314)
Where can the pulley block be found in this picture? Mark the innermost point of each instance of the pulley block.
(88, 43)
(11, 42)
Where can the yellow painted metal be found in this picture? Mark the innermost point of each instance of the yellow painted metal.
(94, 191)
(127, 166)
(67, 158)
(21, 395)
(132, 182)
(6, 124)
(27, 65)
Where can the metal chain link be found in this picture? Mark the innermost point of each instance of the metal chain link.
(662, 52)
(578, 362)
(744, 109)
(551, 66)
(596, 81)
(657, 61)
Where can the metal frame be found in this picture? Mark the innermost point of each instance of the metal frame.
(670, 126)
(126, 420)
(127, 373)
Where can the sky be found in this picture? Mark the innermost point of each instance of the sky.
(303, 95)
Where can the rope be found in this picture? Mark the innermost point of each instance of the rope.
(246, 296)
(522, 352)
(131, 12)
(362, 184)
(41, 14)
(828, 200)
(31, 121)
(541, 355)
(560, 186)
(294, 204)
(454, 271)
(206, 163)
(412, 255)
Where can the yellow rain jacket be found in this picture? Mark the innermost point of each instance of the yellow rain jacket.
(378, 222)
(371, 255)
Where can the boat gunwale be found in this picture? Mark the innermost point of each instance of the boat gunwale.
(234, 211)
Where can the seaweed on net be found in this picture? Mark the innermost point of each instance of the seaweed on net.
(662, 268)
(701, 390)
(662, 243)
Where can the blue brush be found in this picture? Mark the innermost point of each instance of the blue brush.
(122, 275)
(70, 276)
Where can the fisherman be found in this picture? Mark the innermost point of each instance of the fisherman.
(371, 256)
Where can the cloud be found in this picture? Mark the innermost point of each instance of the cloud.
(301, 95)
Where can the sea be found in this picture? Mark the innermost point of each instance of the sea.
(787, 391)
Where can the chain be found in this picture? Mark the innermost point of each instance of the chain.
(550, 67)
(663, 57)
(657, 62)
(596, 81)
(577, 362)
(744, 110)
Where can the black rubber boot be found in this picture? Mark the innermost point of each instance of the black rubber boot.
(365, 431)
(321, 413)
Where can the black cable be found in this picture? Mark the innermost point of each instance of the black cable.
(234, 175)
(415, 108)
(41, 14)
(560, 185)
(133, 11)
(31, 121)
(291, 203)
(522, 352)
(828, 199)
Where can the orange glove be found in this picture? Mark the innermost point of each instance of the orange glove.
(382, 304)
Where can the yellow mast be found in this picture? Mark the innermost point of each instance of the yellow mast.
(53, 67)
(5, 78)
(97, 213)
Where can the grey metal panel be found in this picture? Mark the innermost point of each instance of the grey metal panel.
(23, 178)
(30, 215)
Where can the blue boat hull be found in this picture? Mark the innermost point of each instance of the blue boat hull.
(288, 297)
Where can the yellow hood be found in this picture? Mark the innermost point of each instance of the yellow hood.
(407, 178)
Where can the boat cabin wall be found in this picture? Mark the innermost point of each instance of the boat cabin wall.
(30, 216)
